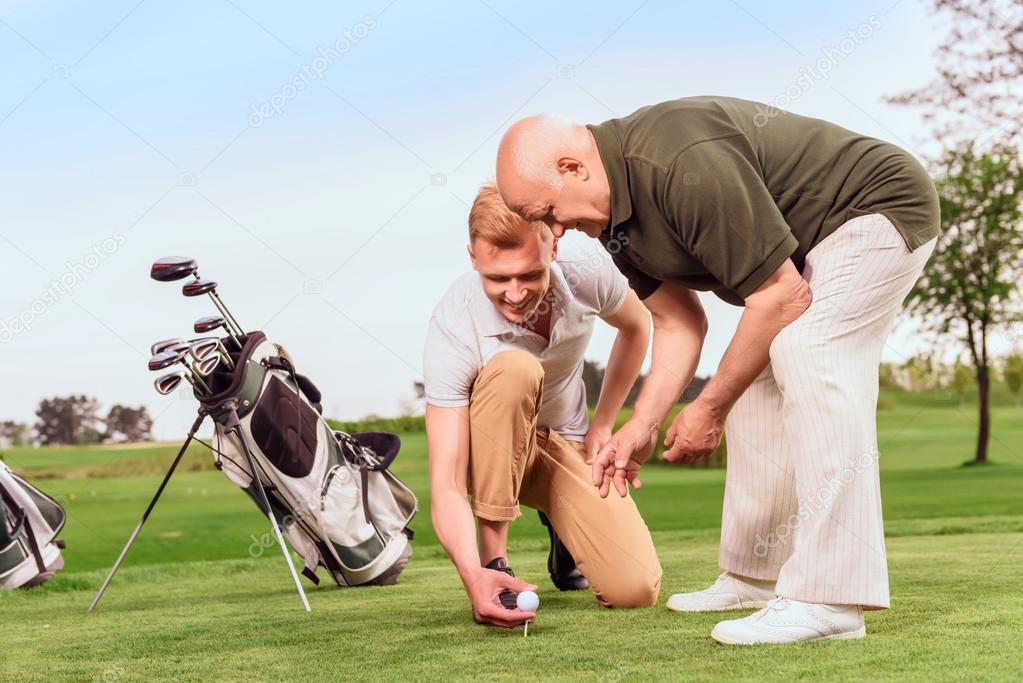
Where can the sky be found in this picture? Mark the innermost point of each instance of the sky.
(318, 160)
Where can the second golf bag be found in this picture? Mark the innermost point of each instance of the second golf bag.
(331, 493)
(29, 523)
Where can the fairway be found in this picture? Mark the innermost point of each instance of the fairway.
(205, 596)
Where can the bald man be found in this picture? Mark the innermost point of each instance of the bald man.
(819, 233)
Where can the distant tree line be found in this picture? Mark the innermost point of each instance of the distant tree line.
(923, 373)
(75, 420)
(593, 378)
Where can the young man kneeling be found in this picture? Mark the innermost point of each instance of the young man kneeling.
(507, 421)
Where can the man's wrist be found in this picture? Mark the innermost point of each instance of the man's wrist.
(469, 576)
(714, 402)
(647, 421)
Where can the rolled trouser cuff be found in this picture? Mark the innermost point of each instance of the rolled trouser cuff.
(495, 513)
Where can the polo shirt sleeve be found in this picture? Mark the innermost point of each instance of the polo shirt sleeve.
(641, 283)
(449, 369)
(724, 214)
(612, 288)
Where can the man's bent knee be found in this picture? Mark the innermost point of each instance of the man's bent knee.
(627, 593)
(514, 370)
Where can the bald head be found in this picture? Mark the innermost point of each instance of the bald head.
(530, 148)
(546, 162)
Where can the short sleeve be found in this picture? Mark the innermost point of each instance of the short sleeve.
(612, 288)
(449, 368)
(641, 283)
(724, 213)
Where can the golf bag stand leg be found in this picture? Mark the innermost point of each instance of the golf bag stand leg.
(235, 426)
(145, 515)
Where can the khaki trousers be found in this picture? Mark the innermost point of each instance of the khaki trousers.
(802, 498)
(512, 460)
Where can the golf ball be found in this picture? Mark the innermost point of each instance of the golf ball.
(527, 601)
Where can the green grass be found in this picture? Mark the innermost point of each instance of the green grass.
(192, 603)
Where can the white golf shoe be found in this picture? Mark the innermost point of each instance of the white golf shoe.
(728, 592)
(786, 621)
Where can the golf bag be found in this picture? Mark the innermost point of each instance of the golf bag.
(331, 493)
(29, 523)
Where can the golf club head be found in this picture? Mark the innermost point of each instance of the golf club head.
(208, 324)
(162, 346)
(198, 287)
(202, 349)
(206, 366)
(165, 359)
(182, 345)
(171, 268)
(168, 383)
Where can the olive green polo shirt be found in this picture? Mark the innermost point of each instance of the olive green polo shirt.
(715, 192)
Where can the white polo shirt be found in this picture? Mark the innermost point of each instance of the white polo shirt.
(467, 330)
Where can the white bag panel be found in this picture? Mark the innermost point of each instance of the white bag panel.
(342, 516)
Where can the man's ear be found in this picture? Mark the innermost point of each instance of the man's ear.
(472, 256)
(554, 250)
(573, 166)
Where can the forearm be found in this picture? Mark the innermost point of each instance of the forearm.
(676, 354)
(747, 354)
(456, 529)
(623, 366)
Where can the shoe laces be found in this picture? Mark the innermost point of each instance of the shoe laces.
(778, 604)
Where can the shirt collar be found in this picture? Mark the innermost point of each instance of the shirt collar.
(609, 146)
(493, 324)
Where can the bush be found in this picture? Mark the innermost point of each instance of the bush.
(415, 424)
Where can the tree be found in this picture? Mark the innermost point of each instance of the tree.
(1012, 371)
(14, 433)
(888, 378)
(970, 287)
(126, 424)
(920, 373)
(960, 378)
(68, 420)
(593, 379)
(979, 87)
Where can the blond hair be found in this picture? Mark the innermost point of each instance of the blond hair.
(491, 219)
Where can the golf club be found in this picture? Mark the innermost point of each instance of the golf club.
(178, 345)
(160, 346)
(201, 349)
(173, 268)
(215, 322)
(168, 383)
(206, 366)
(166, 359)
(199, 287)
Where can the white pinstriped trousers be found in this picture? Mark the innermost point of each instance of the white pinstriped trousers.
(802, 496)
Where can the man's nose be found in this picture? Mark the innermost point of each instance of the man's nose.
(557, 229)
(516, 293)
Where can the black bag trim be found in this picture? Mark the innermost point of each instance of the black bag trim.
(311, 575)
(304, 384)
(285, 428)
